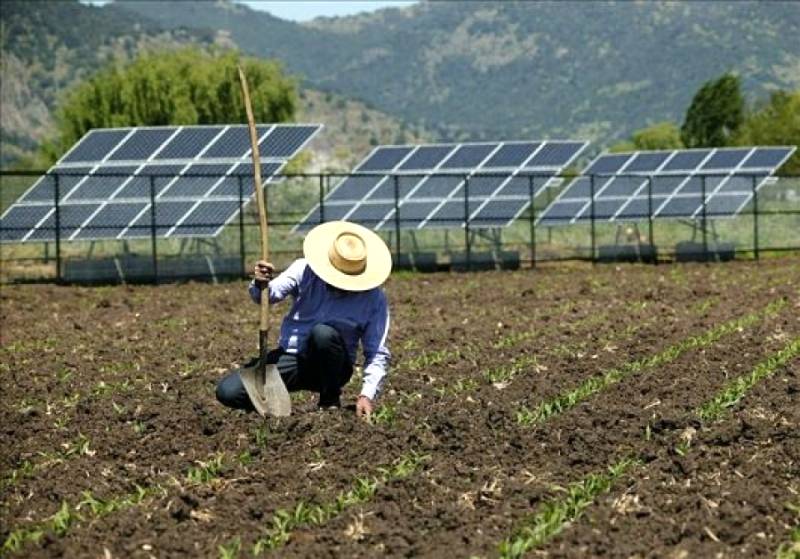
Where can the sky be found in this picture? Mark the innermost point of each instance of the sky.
(302, 10)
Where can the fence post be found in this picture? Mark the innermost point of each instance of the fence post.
(549, 229)
(705, 234)
(591, 214)
(321, 198)
(153, 249)
(532, 222)
(756, 251)
(396, 218)
(650, 238)
(242, 257)
(467, 242)
(57, 203)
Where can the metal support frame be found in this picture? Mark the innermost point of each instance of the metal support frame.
(242, 255)
(322, 198)
(704, 221)
(57, 202)
(532, 222)
(756, 252)
(397, 217)
(153, 247)
(591, 217)
(467, 240)
(549, 229)
(650, 233)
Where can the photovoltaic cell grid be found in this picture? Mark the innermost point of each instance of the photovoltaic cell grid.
(104, 182)
(431, 183)
(675, 180)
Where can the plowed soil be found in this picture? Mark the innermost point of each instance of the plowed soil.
(107, 390)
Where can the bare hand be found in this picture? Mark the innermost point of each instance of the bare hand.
(263, 272)
(364, 407)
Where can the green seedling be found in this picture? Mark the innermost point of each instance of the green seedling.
(206, 471)
(385, 414)
(431, 358)
(595, 384)
(260, 435)
(735, 390)
(63, 519)
(18, 539)
(555, 514)
(284, 522)
(231, 549)
(139, 427)
(245, 458)
(80, 447)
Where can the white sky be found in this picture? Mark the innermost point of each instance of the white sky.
(303, 10)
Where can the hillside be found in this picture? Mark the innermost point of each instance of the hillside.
(463, 70)
(520, 69)
(48, 46)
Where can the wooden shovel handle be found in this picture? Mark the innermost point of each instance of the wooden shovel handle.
(261, 201)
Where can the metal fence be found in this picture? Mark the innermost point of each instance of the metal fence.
(459, 241)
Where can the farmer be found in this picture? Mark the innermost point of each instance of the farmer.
(337, 302)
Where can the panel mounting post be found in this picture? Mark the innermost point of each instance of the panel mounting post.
(57, 202)
(153, 248)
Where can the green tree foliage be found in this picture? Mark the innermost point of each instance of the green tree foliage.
(187, 86)
(775, 122)
(662, 135)
(716, 112)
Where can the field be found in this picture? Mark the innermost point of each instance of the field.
(571, 411)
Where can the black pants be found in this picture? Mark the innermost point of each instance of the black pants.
(324, 367)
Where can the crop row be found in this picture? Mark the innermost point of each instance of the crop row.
(529, 364)
(127, 499)
(592, 485)
(554, 515)
(385, 413)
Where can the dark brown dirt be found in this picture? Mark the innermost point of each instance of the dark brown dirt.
(132, 372)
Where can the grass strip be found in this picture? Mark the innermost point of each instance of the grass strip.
(736, 389)
(595, 384)
(284, 522)
(553, 515)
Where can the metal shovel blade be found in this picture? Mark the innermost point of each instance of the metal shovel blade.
(266, 389)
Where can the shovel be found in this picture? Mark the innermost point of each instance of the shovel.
(262, 380)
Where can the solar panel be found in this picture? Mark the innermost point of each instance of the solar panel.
(666, 184)
(431, 183)
(105, 181)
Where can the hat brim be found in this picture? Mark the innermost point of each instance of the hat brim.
(379, 259)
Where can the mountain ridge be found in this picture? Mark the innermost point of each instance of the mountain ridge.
(459, 71)
(556, 68)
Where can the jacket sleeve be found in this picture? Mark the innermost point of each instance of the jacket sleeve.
(287, 283)
(376, 355)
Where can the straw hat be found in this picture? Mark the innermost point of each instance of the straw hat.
(347, 255)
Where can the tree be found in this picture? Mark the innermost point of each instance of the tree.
(775, 123)
(716, 112)
(187, 86)
(662, 135)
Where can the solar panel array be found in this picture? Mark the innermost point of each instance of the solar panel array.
(430, 182)
(104, 182)
(666, 184)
